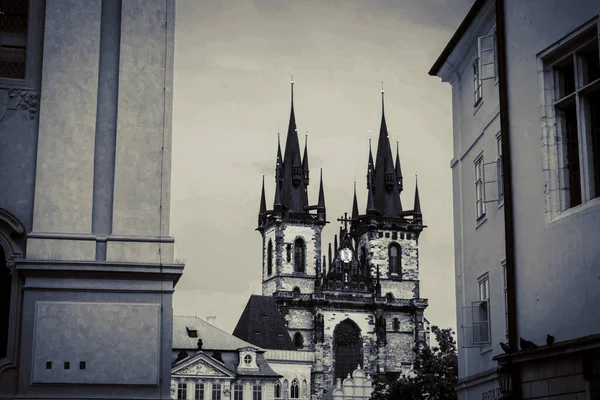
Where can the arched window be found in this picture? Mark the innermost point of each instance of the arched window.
(296, 291)
(363, 255)
(295, 390)
(304, 389)
(5, 289)
(396, 324)
(298, 340)
(395, 259)
(270, 258)
(285, 388)
(299, 255)
(347, 348)
(277, 391)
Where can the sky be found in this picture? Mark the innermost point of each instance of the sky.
(233, 65)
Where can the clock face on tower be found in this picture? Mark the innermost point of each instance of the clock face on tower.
(346, 255)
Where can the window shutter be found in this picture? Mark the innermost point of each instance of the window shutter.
(486, 49)
(490, 169)
(467, 327)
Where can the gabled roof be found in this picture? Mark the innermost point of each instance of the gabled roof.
(212, 337)
(263, 325)
(202, 365)
(462, 29)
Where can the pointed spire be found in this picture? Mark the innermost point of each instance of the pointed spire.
(293, 191)
(417, 207)
(305, 159)
(329, 253)
(371, 164)
(398, 169)
(321, 204)
(354, 204)
(385, 191)
(370, 200)
(324, 265)
(263, 201)
(335, 242)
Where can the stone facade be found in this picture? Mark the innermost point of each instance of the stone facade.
(85, 166)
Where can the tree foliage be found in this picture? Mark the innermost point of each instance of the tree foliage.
(435, 373)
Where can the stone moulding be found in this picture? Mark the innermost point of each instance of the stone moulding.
(19, 99)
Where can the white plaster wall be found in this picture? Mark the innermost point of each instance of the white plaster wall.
(67, 127)
(557, 263)
(291, 370)
(479, 245)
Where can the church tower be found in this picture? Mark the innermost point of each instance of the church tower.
(357, 306)
(291, 230)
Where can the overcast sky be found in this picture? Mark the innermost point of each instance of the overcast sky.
(233, 63)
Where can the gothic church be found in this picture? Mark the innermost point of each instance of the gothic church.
(359, 305)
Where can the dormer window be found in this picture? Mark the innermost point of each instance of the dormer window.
(247, 359)
(191, 331)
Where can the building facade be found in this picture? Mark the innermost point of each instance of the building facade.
(360, 304)
(545, 58)
(210, 364)
(86, 259)
(478, 204)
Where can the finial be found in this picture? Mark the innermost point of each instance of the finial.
(369, 134)
(382, 94)
(382, 87)
(292, 82)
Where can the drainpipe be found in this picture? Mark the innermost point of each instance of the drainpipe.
(509, 236)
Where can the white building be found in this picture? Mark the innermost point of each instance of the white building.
(534, 236)
(87, 266)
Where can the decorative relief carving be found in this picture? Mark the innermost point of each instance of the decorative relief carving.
(200, 369)
(19, 99)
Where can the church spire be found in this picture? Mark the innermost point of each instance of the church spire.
(321, 204)
(354, 204)
(417, 207)
(305, 159)
(370, 202)
(398, 169)
(293, 192)
(371, 164)
(263, 201)
(386, 192)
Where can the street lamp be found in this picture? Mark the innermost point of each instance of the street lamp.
(504, 380)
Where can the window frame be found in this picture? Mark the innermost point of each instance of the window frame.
(199, 392)
(477, 84)
(238, 391)
(295, 389)
(270, 257)
(33, 47)
(398, 270)
(483, 295)
(555, 167)
(216, 388)
(479, 181)
(299, 250)
(499, 169)
(505, 291)
(257, 392)
(181, 390)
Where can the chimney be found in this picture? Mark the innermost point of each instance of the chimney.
(211, 320)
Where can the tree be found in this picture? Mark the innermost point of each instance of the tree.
(435, 373)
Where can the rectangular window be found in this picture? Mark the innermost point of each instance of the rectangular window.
(479, 189)
(14, 15)
(572, 72)
(500, 173)
(216, 391)
(199, 391)
(181, 390)
(481, 313)
(256, 392)
(238, 392)
(505, 300)
(477, 89)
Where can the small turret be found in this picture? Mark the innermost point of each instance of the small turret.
(305, 161)
(398, 169)
(263, 205)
